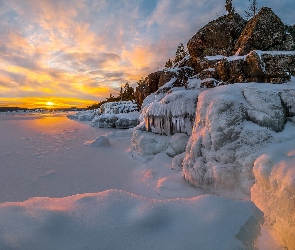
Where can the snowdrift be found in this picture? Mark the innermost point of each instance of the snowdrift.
(118, 220)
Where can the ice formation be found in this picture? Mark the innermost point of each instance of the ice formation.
(274, 190)
(122, 115)
(172, 112)
(86, 115)
(233, 126)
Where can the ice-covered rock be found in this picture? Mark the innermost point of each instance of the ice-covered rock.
(172, 112)
(118, 107)
(233, 125)
(274, 191)
(100, 141)
(86, 115)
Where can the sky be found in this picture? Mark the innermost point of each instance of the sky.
(78, 52)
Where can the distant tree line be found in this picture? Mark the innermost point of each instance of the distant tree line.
(126, 94)
(5, 109)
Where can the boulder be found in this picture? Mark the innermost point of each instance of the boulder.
(175, 77)
(217, 38)
(265, 31)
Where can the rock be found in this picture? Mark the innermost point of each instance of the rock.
(208, 73)
(175, 77)
(210, 83)
(265, 31)
(217, 37)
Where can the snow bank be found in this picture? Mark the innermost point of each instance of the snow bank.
(274, 190)
(118, 220)
(233, 126)
(170, 113)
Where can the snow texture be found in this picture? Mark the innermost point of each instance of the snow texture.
(233, 126)
(274, 190)
(119, 220)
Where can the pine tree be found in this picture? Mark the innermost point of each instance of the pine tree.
(180, 53)
(126, 93)
(229, 7)
(252, 10)
(168, 64)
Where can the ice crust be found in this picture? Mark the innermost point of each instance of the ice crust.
(233, 126)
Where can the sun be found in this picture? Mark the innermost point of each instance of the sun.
(49, 103)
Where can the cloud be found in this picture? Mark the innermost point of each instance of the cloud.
(84, 49)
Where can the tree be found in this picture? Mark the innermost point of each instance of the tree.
(180, 53)
(229, 7)
(252, 10)
(168, 64)
(126, 93)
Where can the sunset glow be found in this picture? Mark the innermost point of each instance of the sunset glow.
(79, 52)
(49, 103)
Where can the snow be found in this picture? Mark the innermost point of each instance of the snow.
(274, 190)
(118, 220)
(274, 53)
(56, 193)
(217, 57)
(100, 141)
(118, 107)
(121, 115)
(231, 131)
(86, 115)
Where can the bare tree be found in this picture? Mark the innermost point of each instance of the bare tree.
(229, 7)
(252, 10)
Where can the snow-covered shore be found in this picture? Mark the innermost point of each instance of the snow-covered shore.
(156, 208)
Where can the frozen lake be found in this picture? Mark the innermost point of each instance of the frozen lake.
(46, 156)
